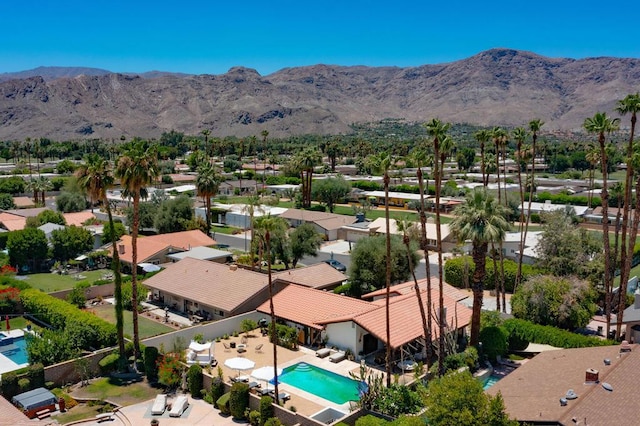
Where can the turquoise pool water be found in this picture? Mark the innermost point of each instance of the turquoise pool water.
(16, 351)
(320, 382)
(492, 380)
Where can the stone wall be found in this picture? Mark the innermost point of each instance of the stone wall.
(66, 372)
(92, 292)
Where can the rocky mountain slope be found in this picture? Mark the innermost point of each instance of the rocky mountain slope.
(496, 87)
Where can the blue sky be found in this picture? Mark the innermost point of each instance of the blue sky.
(212, 36)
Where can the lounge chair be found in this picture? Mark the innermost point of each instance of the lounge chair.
(324, 352)
(266, 390)
(259, 348)
(337, 357)
(254, 385)
(227, 348)
(159, 404)
(179, 405)
(282, 396)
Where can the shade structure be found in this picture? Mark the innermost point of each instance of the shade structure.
(149, 267)
(239, 363)
(265, 373)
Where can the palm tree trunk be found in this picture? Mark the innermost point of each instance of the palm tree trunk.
(208, 206)
(272, 312)
(426, 322)
(482, 165)
(387, 277)
(479, 253)
(626, 253)
(532, 184)
(441, 315)
(605, 231)
(521, 224)
(134, 276)
(117, 291)
(496, 283)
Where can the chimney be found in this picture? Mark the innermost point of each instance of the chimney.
(636, 303)
(120, 248)
(592, 376)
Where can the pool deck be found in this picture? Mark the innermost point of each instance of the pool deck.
(6, 364)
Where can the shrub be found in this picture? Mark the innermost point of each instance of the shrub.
(458, 272)
(9, 385)
(254, 418)
(194, 379)
(217, 388)
(24, 384)
(170, 371)
(109, 363)
(266, 409)
(223, 404)
(36, 375)
(239, 400)
(494, 342)
(151, 363)
(273, 421)
(520, 331)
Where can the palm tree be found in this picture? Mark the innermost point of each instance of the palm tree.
(420, 157)
(629, 105)
(499, 136)
(593, 157)
(404, 226)
(520, 135)
(136, 168)
(601, 124)
(482, 221)
(534, 128)
(264, 134)
(207, 184)
(252, 205)
(206, 133)
(483, 136)
(44, 185)
(382, 163)
(265, 226)
(306, 162)
(438, 131)
(96, 177)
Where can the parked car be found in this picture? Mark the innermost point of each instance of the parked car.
(336, 265)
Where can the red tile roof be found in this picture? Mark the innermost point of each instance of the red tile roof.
(78, 218)
(311, 307)
(11, 415)
(147, 249)
(12, 222)
(184, 240)
(407, 287)
(404, 314)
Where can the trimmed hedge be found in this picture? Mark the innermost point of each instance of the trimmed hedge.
(223, 404)
(109, 363)
(239, 400)
(151, 363)
(266, 409)
(194, 379)
(454, 272)
(521, 332)
(62, 315)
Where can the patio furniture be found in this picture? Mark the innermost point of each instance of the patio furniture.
(244, 340)
(179, 406)
(337, 357)
(254, 385)
(259, 348)
(282, 396)
(324, 352)
(159, 404)
(227, 348)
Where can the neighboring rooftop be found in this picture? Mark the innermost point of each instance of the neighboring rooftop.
(318, 276)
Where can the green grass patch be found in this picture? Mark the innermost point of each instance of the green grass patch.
(146, 327)
(16, 323)
(228, 230)
(117, 391)
(49, 282)
(80, 412)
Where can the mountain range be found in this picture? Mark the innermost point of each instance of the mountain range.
(497, 87)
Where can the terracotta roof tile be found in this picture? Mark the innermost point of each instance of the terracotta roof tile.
(310, 307)
(184, 240)
(78, 218)
(147, 249)
(12, 222)
(407, 287)
(209, 283)
(11, 415)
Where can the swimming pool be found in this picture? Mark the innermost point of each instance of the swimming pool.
(491, 380)
(16, 351)
(320, 382)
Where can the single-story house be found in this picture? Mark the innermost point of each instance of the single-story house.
(78, 218)
(612, 212)
(408, 288)
(155, 249)
(237, 215)
(208, 289)
(353, 232)
(538, 208)
(511, 246)
(358, 325)
(48, 229)
(242, 187)
(24, 202)
(631, 318)
(327, 224)
(603, 381)
(16, 220)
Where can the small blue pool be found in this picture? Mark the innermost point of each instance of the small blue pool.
(16, 350)
(320, 382)
(491, 380)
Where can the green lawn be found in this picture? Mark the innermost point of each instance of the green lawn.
(53, 282)
(147, 327)
(115, 390)
(15, 323)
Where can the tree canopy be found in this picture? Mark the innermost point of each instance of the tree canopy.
(70, 242)
(304, 241)
(330, 191)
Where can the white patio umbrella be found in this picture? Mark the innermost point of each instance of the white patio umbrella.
(239, 364)
(265, 373)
